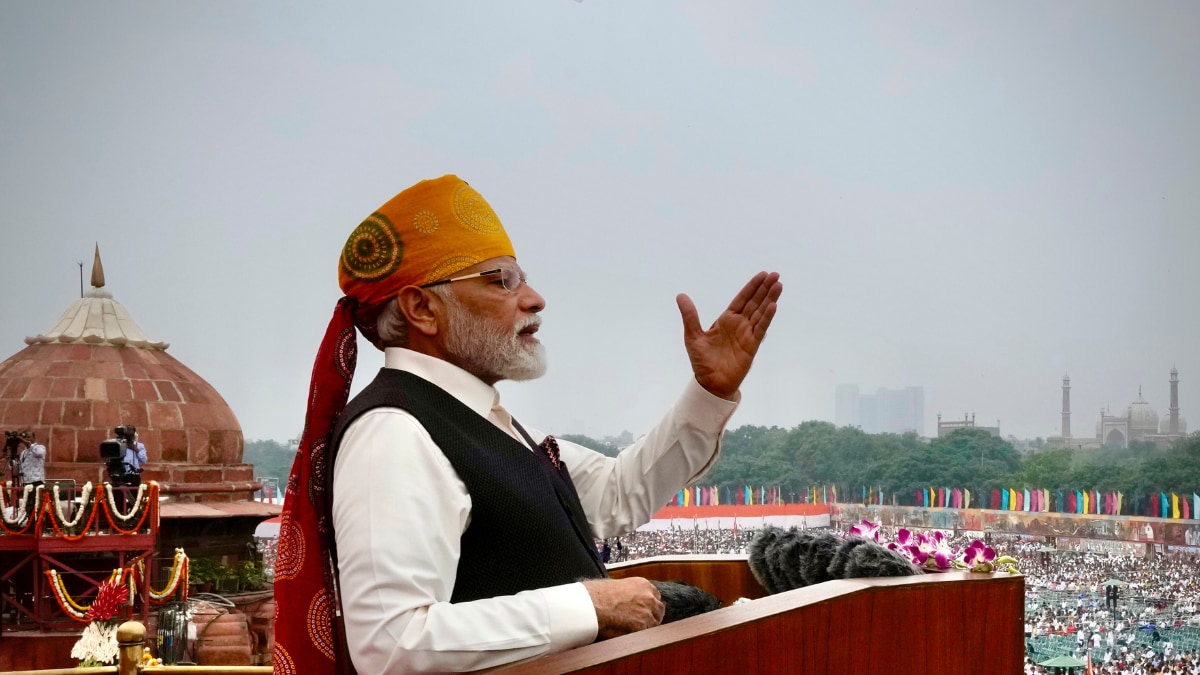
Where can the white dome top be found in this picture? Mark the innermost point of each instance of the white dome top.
(97, 319)
(1142, 417)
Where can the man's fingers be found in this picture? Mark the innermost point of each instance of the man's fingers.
(762, 293)
(738, 304)
(687, 310)
(761, 326)
(768, 303)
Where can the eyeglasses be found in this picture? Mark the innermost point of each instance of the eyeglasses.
(511, 278)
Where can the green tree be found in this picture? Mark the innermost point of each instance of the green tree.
(592, 444)
(271, 459)
(971, 458)
(751, 455)
(1046, 469)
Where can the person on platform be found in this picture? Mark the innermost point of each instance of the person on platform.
(132, 460)
(135, 457)
(32, 459)
(456, 536)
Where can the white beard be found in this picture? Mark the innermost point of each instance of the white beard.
(489, 352)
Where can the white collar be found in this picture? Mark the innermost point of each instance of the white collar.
(474, 393)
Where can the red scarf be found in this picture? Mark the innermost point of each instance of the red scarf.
(307, 630)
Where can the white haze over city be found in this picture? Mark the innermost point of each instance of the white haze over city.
(975, 198)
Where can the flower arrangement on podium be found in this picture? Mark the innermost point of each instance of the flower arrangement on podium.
(932, 551)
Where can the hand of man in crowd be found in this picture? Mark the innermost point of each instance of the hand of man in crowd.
(624, 605)
(721, 356)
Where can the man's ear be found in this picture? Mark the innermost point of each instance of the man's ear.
(420, 310)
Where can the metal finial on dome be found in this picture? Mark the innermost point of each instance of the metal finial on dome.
(97, 269)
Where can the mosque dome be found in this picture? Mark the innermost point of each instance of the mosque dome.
(1164, 425)
(1142, 417)
(96, 369)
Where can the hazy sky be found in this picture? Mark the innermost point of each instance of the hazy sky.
(972, 197)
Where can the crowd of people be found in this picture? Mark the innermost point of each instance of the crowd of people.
(1127, 614)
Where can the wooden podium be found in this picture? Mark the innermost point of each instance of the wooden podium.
(954, 622)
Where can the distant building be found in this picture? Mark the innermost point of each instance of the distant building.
(894, 411)
(1140, 423)
(846, 405)
(946, 427)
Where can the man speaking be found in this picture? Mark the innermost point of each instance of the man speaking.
(451, 536)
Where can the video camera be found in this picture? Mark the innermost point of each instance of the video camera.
(12, 443)
(112, 451)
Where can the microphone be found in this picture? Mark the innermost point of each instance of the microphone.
(783, 560)
(683, 600)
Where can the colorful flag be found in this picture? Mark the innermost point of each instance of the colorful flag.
(1174, 505)
(1162, 511)
(966, 498)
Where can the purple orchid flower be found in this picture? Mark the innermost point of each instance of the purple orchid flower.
(866, 529)
(979, 556)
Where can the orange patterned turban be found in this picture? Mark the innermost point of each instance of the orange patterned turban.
(428, 232)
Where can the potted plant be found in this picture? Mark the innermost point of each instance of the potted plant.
(203, 573)
(250, 575)
(227, 579)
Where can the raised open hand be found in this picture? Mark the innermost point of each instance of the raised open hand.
(721, 356)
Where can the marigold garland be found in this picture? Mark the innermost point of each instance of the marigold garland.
(127, 577)
(178, 578)
(36, 505)
(146, 493)
(61, 525)
(27, 512)
(68, 605)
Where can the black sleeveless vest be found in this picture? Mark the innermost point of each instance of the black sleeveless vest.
(528, 529)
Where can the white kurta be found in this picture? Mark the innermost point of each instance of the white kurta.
(399, 511)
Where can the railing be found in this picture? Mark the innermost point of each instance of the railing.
(131, 636)
(71, 513)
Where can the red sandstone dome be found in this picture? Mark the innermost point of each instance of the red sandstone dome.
(94, 370)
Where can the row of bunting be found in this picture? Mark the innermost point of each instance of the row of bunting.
(1154, 504)
(1157, 504)
(749, 495)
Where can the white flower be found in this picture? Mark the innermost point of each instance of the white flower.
(98, 642)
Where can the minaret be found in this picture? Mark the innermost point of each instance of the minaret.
(1173, 429)
(1066, 411)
